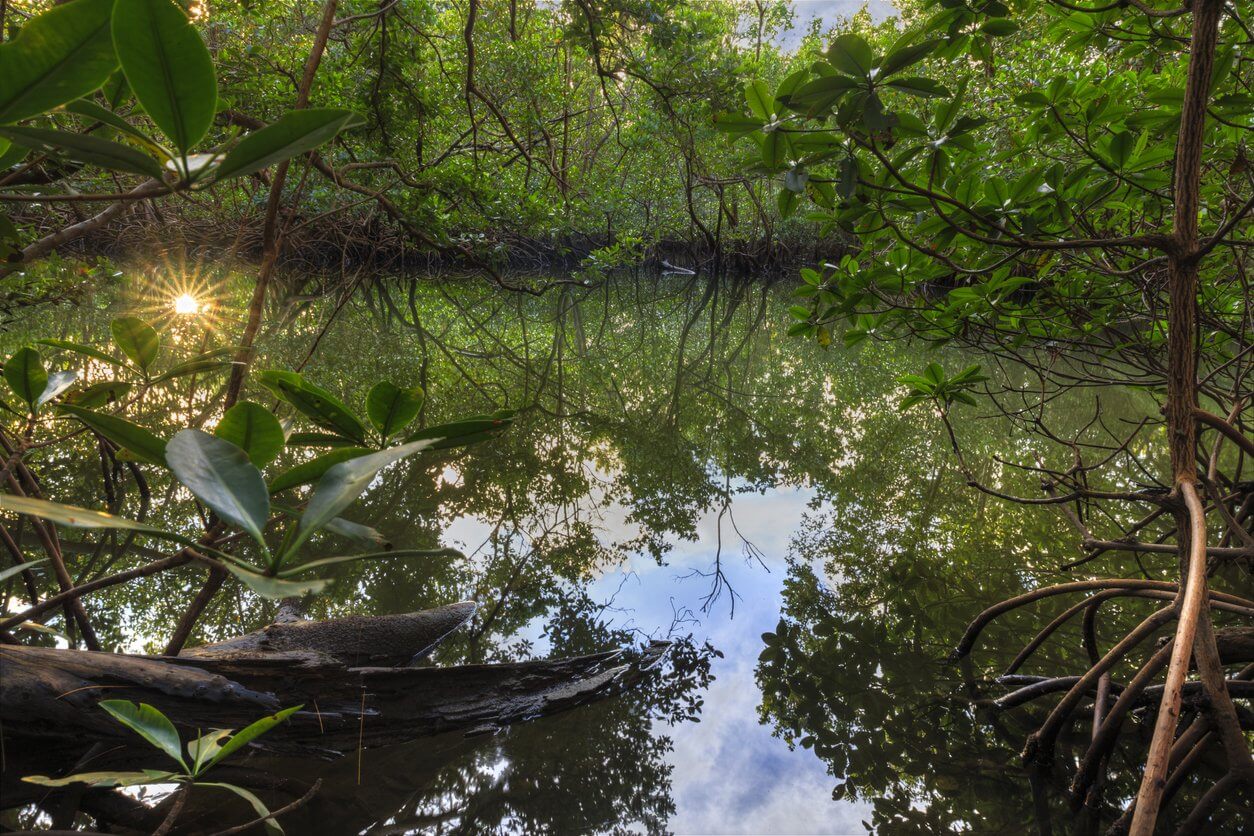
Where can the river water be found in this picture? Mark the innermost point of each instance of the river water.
(680, 470)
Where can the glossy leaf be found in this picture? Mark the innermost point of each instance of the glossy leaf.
(340, 486)
(220, 475)
(138, 340)
(392, 408)
(251, 732)
(129, 436)
(851, 54)
(25, 374)
(72, 515)
(85, 148)
(168, 68)
(311, 471)
(253, 429)
(60, 55)
(85, 350)
(103, 779)
(148, 723)
(294, 133)
(272, 588)
(271, 826)
(99, 394)
(315, 403)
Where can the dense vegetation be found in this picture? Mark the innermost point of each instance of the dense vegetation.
(1051, 200)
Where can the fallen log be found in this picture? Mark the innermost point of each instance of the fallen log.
(354, 676)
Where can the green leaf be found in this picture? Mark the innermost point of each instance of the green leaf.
(272, 588)
(467, 431)
(251, 732)
(220, 475)
(85, 350)
(851, 54)
(736, 124)
(73, 516)
(58, 382)
(14, 571)
(295, 133)
(143, 443)
(351, 558)
(25, 374)
(85, 148)
(315, 403)
(137, 339)
(999, 27)
(98, 394)
(392, 408)
(90, 110)
(148, 723)
(254, 429)
(902, 57)
(918, 86)
(60, 55)
(168, 67)
(340, 486)
(10, 155)
(272, 826)
(312, 470)
(103, 779)
(211, 362)
(203, 748)
(760, 100)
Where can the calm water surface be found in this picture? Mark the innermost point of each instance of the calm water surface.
(681, 470)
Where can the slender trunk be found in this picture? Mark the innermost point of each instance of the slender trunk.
(1181, 414)
(271, 234)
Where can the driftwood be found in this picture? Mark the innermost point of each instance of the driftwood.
(354, 676)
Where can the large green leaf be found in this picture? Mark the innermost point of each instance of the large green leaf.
(168, 67)
(268, 586)
(85, 350)
(89, 109)
(340, 486)
(72, 515)
(220, 475)
(25, 374)
(311, 471)
(251, 732)
(254, 429)
(259, 807)
(137, 339)
(148, 723)
(295, 133)
(467, 431)
(10, 155)
(98, 394)
(392, 408)
(104, 779)
(57, 57)
(851, 54)
(129, 436)
(315, 403)
(85, 148)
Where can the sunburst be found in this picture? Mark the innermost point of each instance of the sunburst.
(182, 296)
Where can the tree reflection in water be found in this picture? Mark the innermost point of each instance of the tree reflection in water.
(648, 406)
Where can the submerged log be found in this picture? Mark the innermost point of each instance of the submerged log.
(354, 678)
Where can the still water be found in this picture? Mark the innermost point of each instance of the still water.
(680, 469)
